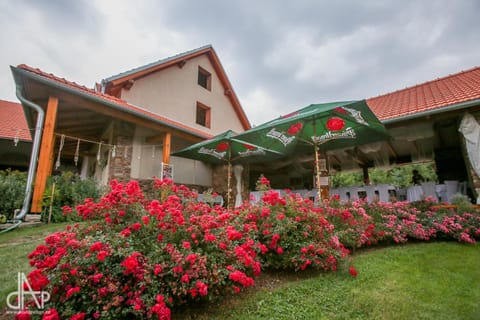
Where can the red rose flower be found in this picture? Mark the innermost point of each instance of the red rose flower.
(37, 280)
(202, 288)
(23, 315)
(335, 124)
(222, 146)
(353, 271)
(72, 291)
(101, 255)
(249, 147)
(295, 128)
(51, 314)
(185, 278)
(78, 316)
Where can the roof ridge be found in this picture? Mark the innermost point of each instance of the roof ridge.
(157, 62)
(427, 82)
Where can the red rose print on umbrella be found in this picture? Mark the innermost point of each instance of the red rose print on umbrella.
(295, 128)
(335, 124)
(249, 147)
(340, 110)
(223, 146)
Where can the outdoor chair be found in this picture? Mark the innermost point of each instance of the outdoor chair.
(383, 194)
(371, 195)
(342, 192)
(354, 193)
(218, 200)
(211, 200)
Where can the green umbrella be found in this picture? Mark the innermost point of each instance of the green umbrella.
(224, 149)
(324, 126)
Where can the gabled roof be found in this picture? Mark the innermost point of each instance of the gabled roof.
(113, 84)
(451, 91)
(106, 99)
(12, 122)
(157, 65)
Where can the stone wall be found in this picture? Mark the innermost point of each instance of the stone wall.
(121, 161)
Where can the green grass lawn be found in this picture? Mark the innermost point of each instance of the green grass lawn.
(15, 245)
(415, 281)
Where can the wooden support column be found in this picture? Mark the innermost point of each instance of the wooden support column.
(366, 178)
(45, 160)
(167, 138)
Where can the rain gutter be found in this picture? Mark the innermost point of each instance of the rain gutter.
(34, 156)
(94, 98)
(453, 107)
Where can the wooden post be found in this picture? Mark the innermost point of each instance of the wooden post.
(366, 178)
(52, 197)
(45, 160)
(167, 138)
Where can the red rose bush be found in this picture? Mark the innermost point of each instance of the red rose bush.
(135, 257)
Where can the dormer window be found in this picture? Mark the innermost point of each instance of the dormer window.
(204, 78)
(203, 115)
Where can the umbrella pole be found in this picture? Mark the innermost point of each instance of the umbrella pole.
(317, 167)
(229, 171)
(317, 163)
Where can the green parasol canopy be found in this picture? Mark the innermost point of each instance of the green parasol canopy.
(324, 126)
(224, 149)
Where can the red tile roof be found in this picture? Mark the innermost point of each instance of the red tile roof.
(436, 94)
(12, 121)
(118, 102)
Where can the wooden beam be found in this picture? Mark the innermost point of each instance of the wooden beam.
(167, 138)
(392, 151)
(127, 117)
(128, 84)
(45, 161)
(155, 139)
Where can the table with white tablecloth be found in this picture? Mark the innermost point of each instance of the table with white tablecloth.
(441, 190)
(414, 193)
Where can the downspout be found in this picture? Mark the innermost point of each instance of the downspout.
(34, 156)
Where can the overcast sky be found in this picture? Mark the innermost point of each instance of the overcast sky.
(279, 55)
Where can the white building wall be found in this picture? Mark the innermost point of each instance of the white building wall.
(174, 92)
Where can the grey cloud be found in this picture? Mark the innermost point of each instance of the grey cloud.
(285, 53)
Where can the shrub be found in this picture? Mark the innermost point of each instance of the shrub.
(12, 189)
(140, 258)
(297, 233)
(70, 190)
(144, 257)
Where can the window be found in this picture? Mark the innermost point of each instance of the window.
(203, 115)
(204, 78)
